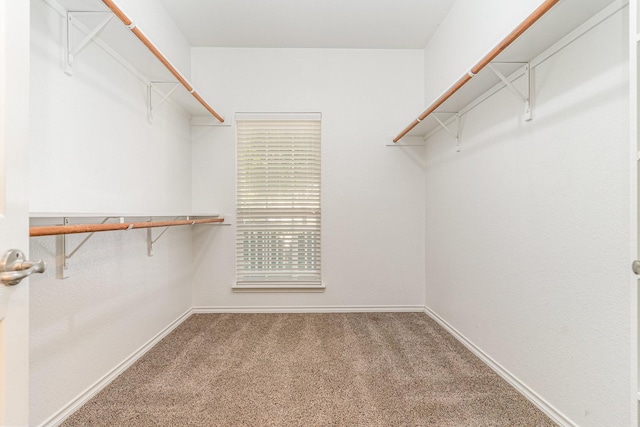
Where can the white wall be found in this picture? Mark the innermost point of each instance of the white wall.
(527, 230)
(372, 195)
(92, 150)
(154, 21)
(115, 300)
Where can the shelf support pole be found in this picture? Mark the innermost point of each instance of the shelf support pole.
(455, 135)
(525, 97)
(72, 52)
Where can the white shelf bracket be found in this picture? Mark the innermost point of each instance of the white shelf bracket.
(150, 88)
(524, 97)
(454, 133)
(62, 256)
(151, 240)
(71, 51)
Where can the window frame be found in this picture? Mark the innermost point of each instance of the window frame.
(281, 284)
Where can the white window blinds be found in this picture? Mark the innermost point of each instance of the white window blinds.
(278, 200)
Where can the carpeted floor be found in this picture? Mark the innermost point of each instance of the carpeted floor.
(356, 369)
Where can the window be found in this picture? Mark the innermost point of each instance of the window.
(278, 201)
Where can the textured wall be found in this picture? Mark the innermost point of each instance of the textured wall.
(372, 195)
(92, 150)
(91, 147)
(527, 230)
(115, 300)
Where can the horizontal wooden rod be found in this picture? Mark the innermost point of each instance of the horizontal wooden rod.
(152, 48)
(517, 32)
(197, 96)
(54, 230)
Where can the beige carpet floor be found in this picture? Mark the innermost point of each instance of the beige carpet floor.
(356, 369)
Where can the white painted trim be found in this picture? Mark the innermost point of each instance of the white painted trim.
(312, 309)
(553, 413)
(278, 287)
(210, 121)
(59, 417)
(308, 116)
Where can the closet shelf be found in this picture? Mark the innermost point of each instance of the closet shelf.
(88, 21)
(54, 230)
(507, 61)
(62, 227)
(88, 215)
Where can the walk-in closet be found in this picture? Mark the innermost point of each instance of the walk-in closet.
(327, 213)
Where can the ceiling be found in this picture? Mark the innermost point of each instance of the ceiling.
(355, 24)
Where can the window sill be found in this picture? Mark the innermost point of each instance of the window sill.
(278, 287)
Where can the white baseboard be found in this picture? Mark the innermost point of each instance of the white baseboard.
(557, 416)
(313, 309)
(57, 418)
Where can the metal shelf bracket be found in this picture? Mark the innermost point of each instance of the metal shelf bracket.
(62, 256)
(454, 133)
(525, 97)
(71, 52)
(150, 88)
(151, 240)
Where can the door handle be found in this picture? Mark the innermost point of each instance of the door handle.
(14, 267)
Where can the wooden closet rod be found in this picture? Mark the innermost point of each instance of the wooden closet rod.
(524, 26)
(54, 230)
(140, 35)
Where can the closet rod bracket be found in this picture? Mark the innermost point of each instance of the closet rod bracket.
(151, 240)
(150, 88)
(524, 97)
(454, 133)
(72, 51)
(63, 255)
